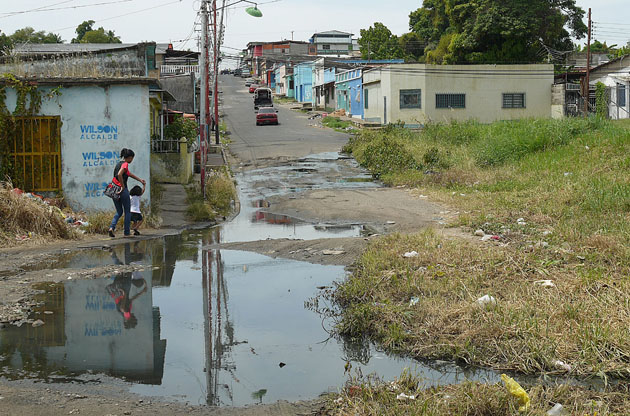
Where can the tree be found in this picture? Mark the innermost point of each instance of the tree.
(5, 43)
(412, 46)
(29, 35)
(378, 42)
(496, 31)
(87, 34)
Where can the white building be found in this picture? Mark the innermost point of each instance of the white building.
(616, 76)
(418, 93)
(335, 43)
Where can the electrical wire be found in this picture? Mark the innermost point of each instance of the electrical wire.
(72, 7)
(125, 14)
(36, 9)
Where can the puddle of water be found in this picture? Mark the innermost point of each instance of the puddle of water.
(206, 326)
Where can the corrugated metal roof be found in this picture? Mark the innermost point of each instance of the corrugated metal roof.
(54, 48)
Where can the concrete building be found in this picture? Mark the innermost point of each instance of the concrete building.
(335, 43)
(324, 85)
(303, 82)
(418, 93)
(256, 54)
(616, 76)
(349, 91)
(76, 138)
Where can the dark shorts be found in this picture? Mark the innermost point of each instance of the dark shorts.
(136, 216)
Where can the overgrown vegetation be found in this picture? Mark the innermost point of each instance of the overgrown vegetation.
(336, 123)
(220, 192)
(28, 218)
(377, 398)
(181, 128)
(555, 194)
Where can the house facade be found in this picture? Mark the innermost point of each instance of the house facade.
(616, 76)
(334, 43)
(419, 93)
(84, 130)
(303, 82)
(349, 92)
(323, 85)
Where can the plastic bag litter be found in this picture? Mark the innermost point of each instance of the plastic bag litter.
(561, 365)
(414, 301)
(517, 391)
(486, 300)
(403, 396)
(557, 410)
(545, 283)
(411, 254)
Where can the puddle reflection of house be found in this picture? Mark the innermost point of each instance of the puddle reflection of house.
(86, 332)
(271, 218)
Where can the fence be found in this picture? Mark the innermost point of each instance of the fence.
(165, 146)
(35, 151)
(178, 69)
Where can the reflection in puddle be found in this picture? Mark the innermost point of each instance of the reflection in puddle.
(207, 326)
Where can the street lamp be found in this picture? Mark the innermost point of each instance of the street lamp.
(253, 11)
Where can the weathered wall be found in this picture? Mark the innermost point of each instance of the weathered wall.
(482, 84)
(97, 122)
(558, 100)
(182, 87)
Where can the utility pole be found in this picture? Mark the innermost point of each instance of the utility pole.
(204, 92)
(216, 75)
(587, 83)
(292, 34)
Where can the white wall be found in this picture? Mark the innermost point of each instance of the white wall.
(482, 84)
(121, 114)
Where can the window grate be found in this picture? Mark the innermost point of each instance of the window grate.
(410, 99)
(450, 100)
(514, 100)
(621, 95)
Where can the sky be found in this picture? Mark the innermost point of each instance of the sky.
(165, 21)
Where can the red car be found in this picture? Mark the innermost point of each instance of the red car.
(266, 115)
(252, 88)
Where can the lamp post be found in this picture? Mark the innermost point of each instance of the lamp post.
(204, 112)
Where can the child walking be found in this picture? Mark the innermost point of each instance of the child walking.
(136, 217)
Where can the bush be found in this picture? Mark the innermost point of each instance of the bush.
(99, 222)
(181, 127)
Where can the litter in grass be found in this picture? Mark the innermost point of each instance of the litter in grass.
(561, 365)
(403, 396)
(411, 254)
(414, 301)
(517, 391)
(557, 410)
(545, 283)
(486, 300)
(480, 233)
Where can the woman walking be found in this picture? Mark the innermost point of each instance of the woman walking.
(123, 204)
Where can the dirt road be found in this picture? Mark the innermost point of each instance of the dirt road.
(299, 200)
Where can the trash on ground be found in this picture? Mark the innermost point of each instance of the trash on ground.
(403, 396)
(480, 233)
(281, 364)
(561, 365)
(414, 301)
(517, 391)
(411, 254)
(545, 283)
(37, 323)
(521, 221)
(486, 300)
(557, 410)
(333, 252)
(390, 222)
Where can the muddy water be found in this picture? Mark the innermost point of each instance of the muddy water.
(208, 326)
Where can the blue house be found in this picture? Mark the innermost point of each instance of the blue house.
(303, 82)
(349, 90)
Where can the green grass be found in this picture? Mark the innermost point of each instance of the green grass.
(570, 181)
(220, 192)
(376, 398)
(336, 123)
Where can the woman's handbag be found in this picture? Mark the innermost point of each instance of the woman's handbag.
(113, 191)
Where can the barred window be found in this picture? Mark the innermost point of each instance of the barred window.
(514, 100)
(450, 100)
(365, 98)
(410, 99)
(621, 95)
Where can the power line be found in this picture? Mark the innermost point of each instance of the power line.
(72, 7)
(36, 9)
(126, 14)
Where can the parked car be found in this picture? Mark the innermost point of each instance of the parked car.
(253, 88)
(263, 97)
(249, 81)
(266, 115)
